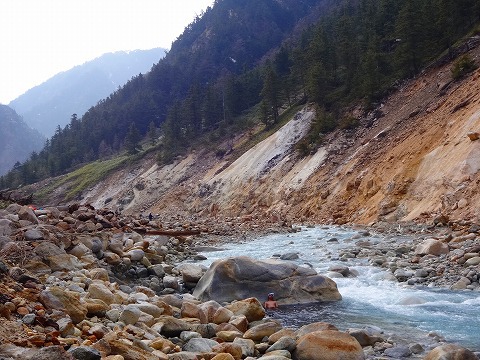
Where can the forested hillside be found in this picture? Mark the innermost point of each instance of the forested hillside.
(51, 104)
(17, 140)
(261, 57)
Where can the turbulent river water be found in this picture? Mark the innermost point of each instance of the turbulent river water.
(371, 298)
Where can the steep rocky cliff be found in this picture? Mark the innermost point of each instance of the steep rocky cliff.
(411, 158)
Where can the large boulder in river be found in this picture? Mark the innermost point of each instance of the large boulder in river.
(242, 277)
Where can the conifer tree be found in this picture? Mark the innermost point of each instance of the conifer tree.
(270, 94)
(132, 140)
(408, 28)
(152, 133)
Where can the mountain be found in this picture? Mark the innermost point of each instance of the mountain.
(336, 119)
(416, 156)
(217, 71)
(52, 103)
(17, 139)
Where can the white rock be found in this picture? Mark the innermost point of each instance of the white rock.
(135, 254)
(130, 315)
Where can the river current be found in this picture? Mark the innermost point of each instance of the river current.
(371, 299)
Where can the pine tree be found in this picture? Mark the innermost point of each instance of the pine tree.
(132, 140)
(152, 133)
(173, 134)
(191, 110)
(270, 94)
(212, 108)
(408, 28)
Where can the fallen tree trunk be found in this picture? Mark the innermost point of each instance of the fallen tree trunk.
(144, 231)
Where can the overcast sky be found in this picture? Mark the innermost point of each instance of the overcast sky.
(40, 38)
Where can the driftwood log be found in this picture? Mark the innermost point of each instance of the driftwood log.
(144, 231)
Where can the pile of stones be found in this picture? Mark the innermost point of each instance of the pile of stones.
(441, 258)
(81, 283)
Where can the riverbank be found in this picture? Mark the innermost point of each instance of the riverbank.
(79, 280)
(439, 254)
(372, 296)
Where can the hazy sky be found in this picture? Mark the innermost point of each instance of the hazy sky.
(40, 38)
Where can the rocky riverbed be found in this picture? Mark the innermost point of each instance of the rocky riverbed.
(85, 283)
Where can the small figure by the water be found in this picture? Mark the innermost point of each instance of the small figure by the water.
(270, 303)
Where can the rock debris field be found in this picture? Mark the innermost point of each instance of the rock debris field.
(83, 283)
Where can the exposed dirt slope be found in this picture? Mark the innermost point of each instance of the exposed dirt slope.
(410, 159)
(415, 160)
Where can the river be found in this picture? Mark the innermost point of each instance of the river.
(371, 298)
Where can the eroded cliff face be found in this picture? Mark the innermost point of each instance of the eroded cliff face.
(415, 161)
(410, 159)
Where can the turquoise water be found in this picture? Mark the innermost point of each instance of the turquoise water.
(369, 299)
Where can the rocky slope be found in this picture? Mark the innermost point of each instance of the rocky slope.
(410, 159)
(96, 283)
(82, 283)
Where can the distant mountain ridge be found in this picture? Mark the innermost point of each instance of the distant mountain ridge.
(17, 140)
(52, 103)
(251, 63)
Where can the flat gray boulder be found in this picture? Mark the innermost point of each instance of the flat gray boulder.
(241, 277)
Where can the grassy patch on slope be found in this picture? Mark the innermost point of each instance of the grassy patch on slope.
(84, 177)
